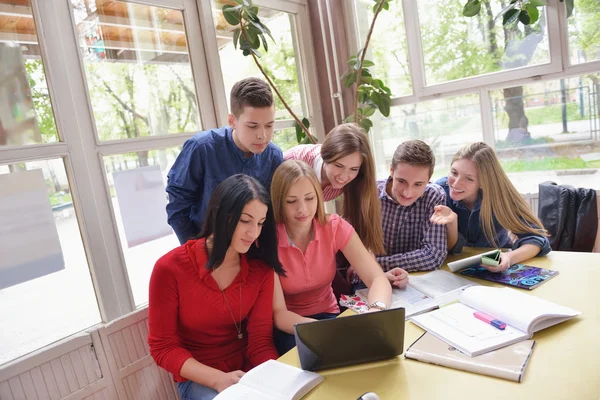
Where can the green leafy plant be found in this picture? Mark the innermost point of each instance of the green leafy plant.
(250, 34)
(526, 12)
(371, 94)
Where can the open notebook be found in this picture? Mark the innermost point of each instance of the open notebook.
(522, 313)
(272, 380)
(426, 292)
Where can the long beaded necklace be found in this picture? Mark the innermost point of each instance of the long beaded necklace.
(238, 328)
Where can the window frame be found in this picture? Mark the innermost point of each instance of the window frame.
(305, 62)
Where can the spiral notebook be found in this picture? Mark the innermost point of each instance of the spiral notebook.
(518, 275)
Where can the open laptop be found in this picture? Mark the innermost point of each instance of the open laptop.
(350, 340)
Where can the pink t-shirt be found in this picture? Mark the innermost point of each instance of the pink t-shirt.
(307, 286)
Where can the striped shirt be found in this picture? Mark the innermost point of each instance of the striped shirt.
(411, 241)
(311, 154)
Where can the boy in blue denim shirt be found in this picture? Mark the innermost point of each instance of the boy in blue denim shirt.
(208, 158)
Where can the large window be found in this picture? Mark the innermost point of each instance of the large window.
(280, 61)
(455, 47)
(136, 183)
(95, 115)
(42, 310)
(584, 35)
(390, 56)
(26, 115)
(549, 130)
(444, 124)
(138, 69)
(545, 128)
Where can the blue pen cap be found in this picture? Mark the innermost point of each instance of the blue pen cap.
(498, 324)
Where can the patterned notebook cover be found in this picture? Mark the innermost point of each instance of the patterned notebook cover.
(519, 275)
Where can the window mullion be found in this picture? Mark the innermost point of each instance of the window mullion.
(415, 48)
(64, 69)
(199, 64)
(487, 119)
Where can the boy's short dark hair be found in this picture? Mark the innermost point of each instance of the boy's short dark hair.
(414, 152)
(251, 92)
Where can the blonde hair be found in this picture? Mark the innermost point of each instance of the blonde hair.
(361, 206)
(285, 176)
(500, 198)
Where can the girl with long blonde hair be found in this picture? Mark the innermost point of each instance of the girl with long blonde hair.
(308, 241)
(344, 164)
(483, 207)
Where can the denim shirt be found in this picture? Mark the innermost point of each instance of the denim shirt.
(470, 232)
(207, 159)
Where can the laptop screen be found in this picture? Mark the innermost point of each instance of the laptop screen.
(350, 340)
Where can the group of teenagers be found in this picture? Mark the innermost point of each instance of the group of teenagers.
(259, 254)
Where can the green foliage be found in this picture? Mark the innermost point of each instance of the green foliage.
(371, 93)
(41, 100)
(524, 11)
(301, 137)
(543, 164)
(550, 114)
(250, 32)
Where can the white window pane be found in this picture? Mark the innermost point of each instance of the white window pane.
(446, 125)
(138, 69)
(456, 47)
(549, 131)
(141, 252)
(280, 62)
(43, 310)
(584, 35)
(26, 115)
(387, 48)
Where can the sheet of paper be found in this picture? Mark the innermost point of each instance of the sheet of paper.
(438, 283)
(142, 202)
(456, 325)
(30, 246)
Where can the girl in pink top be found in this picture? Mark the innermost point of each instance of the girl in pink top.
(308, 241)
(344, 164)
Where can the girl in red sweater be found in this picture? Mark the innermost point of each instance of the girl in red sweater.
(211, 299)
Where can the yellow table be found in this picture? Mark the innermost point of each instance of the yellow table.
(565, 362)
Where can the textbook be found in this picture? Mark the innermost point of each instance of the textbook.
(518, 275)
(508, 362)
(272, 380)
(425, 292)
(523, 315)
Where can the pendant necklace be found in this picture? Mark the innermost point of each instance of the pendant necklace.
(238, 328)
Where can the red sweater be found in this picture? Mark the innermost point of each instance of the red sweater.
(188, 316)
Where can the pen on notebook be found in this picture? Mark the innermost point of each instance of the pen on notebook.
(490, 320)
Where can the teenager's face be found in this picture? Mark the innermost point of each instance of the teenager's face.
(300, 203)
(408, 183)
(463, 181)
(249, 226)
(253, 129)
(343, 170)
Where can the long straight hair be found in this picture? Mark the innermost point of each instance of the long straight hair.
(285, 176)
(222, 217)
(361, 206)
(500, 198)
